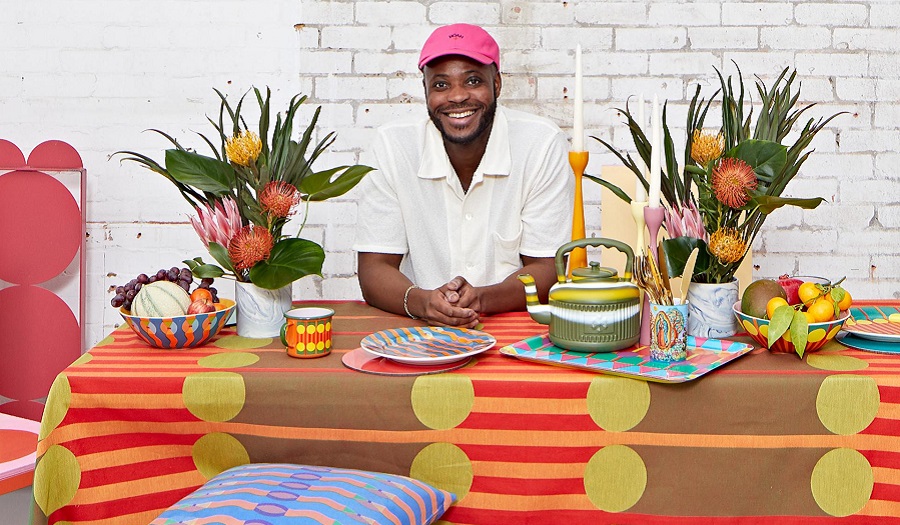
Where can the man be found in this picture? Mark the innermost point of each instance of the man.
(477, 191)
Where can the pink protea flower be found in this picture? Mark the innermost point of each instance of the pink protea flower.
(251, 245)
(685, 222)
(217, 224)
(278, 197)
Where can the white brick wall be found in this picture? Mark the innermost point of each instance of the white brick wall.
(95, 74)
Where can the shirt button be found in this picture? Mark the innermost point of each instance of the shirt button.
(468, 216)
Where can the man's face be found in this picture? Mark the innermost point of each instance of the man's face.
(461, 95)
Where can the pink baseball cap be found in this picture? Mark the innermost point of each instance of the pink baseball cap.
(461, 39)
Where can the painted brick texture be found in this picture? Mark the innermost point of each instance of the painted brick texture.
(96, 74)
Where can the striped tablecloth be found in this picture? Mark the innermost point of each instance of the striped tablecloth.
(129, 430)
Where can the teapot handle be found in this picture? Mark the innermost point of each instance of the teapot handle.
(593, 241)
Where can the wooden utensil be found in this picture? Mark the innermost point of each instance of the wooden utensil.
(664, 273)
(688, 273)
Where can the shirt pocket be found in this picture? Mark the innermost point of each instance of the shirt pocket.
(507, 258)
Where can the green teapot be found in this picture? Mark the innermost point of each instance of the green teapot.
(596, 311)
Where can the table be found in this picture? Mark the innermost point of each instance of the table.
(129, 430)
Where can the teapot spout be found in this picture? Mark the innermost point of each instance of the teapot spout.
(539, 312)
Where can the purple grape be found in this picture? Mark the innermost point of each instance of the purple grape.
(129, 295)
(129, 287)
(161, 275)
(172, 275)
(118, 300)
(143, 279)
(137, 287)
(120, 290)
(185, 285)
(127, 305)
(207, 281)
(152, 279)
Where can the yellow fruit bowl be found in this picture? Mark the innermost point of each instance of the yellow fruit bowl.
(817, 335)
(180, 331)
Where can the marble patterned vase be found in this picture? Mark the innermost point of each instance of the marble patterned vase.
(710, 305)
(260, 311)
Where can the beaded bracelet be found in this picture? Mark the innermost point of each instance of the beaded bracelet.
(406, 301)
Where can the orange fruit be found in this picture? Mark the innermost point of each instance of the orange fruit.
(201, 293)
(809, 318)
(773, 304)
(808, 293)
(845, 301)
(822, 310)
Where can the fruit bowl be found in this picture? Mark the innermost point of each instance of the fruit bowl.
(180, 331)
(817, 335)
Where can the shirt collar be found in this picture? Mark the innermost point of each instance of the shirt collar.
(497, 159)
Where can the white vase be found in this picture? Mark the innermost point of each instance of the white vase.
(709, 305)
(260, 311)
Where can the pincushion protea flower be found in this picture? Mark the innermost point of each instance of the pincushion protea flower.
(217, 224)
(243, 148)
(727, 245)
(278, 197)
(732, 179)
(251, 245)
(706, 146)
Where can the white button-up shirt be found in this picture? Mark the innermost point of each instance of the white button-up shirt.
(519, 202)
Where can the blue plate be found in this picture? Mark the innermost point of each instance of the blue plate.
(869, 345)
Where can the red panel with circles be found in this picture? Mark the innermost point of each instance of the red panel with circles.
(41, 271)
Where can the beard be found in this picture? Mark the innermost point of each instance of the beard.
(484, 125)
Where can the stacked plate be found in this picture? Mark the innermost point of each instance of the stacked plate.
(873, 328)
(427, 345)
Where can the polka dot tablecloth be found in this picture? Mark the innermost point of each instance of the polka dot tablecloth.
(769, 438)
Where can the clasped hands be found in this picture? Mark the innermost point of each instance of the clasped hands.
(456, 303)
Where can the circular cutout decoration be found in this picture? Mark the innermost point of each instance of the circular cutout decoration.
(228, 360)
(40, 338)
(615, 478)
(40, 227)
(842, 482)
(442, 401)
(58, 469)
(58, 401)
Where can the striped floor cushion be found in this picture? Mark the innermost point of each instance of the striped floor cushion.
(274, 493)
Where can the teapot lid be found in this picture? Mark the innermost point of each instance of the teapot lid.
(594, 272)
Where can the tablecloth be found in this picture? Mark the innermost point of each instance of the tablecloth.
(129, 430)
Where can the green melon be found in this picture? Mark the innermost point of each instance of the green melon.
(757, 295)
(160, 299)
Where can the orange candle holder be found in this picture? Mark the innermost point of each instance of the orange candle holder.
(578, 257)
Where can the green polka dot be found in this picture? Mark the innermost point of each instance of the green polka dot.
(106, 340)
(847, 404)
(615, 478)
(235, 342)
(831, 361)
(442, 401)
(214, 396)
(83, 359)
(444, 466)
(57, 476)
(842, 482)
(228, 360)
(217, 452)
(617, 404)
(58, 401)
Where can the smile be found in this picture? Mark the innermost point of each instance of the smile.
(462, 114)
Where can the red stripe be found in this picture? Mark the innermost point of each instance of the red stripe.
(503, 453)
(527, 487)
(882, 458)
(524, 389)
(94, 444)
(95, 385)
(530, 422)
(120, 507)
(885, 492)
(134, 471)
(156, 415)
(881, 427)
(889, 394)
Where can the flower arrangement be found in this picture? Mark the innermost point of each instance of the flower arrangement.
(732, 178)
(249, 189)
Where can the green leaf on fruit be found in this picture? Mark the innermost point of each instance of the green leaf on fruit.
(799, 332)
(781, 320)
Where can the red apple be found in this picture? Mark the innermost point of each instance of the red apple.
(791, 287)
(201, 306)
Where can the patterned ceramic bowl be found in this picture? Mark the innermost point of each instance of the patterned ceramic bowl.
(817, 335)
(181, 331)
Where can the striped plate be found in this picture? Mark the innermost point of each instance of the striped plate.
(879, 323)
(427, 345)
